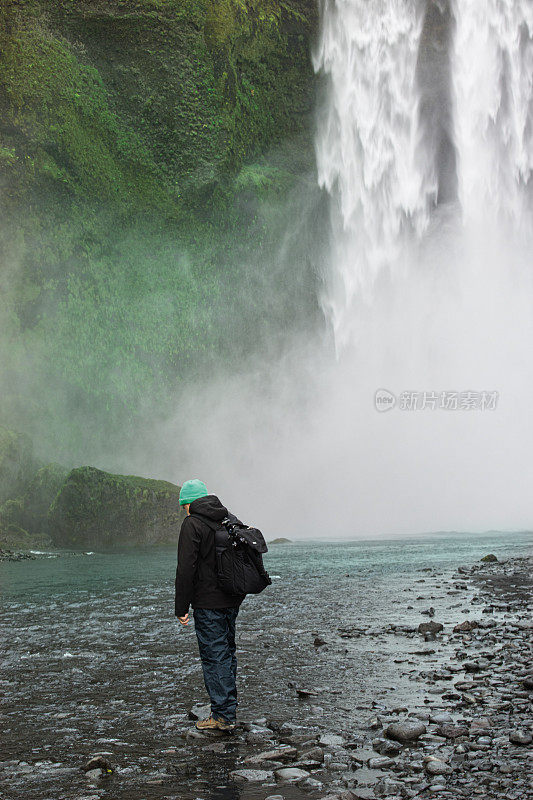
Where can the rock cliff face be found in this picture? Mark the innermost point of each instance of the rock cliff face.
(147, 104)
(147, 149)
(95, 509)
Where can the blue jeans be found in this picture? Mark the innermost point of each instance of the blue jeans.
(215, 631)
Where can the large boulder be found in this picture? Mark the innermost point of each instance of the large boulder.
(17, 464)
(97, 509)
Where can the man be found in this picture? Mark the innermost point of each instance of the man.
(214, 612)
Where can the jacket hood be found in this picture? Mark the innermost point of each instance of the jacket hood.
(210, 507)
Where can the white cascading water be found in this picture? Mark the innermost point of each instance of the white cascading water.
(492, 63)
(369, 151)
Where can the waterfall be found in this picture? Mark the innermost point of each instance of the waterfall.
(493, 87)
(397, 122)
(369, 146)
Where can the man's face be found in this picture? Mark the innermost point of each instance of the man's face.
(186, 507)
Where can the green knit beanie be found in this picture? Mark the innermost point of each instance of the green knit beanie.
(192, 490)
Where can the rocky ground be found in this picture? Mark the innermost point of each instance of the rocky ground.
(456, 723)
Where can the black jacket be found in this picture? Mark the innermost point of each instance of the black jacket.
(196, 574)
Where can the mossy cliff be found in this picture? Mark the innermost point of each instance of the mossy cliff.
(85, 507)
(96, 509)
(147, 105)
(148, 150)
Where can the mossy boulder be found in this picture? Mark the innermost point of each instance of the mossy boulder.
(16, 463)
(100, 510)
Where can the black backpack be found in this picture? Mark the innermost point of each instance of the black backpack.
(239, 556)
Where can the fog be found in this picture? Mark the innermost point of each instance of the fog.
(427, 287)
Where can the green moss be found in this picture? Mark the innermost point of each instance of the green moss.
(100, 509)
(57, 114)
(140, 210)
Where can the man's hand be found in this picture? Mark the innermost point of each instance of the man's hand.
(184, 620)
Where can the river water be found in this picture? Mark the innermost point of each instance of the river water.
(94, 661)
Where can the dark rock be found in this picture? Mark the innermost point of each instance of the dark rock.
(430, 612)
(99, 762)
(385, 747)
(472, 666)
(520, 737)
(405, 731)
(528, 682)
(467, 625)
(430, 627)
(453, 731)
(380, 762)
(313, 754)
(319, 642)
(480, 725)
(301, 692)
(435, 766)
(279, 754)
(490, 558)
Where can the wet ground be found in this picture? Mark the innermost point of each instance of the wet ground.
(93, 662)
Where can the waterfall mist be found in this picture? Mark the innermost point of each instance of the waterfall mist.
(424, 150)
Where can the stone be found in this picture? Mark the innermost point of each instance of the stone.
(405, 731)
(467, 625)
(480, 725)
(199, 711)
(430, 627)
(367, 777)
(312, 784)
(98, 762)
(93, 774)
(380, 762)
(362, 755)
(313, 754)
(490, 558)
(450, 731)
(527, 682)
(280, 754)
(331, 740)
(436, 767)
(441, 718)
(301, 692)
(291, 774)
(251, 775)
(520, 737)
(386, 747)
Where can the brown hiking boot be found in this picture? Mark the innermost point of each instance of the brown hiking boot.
(212, 724)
